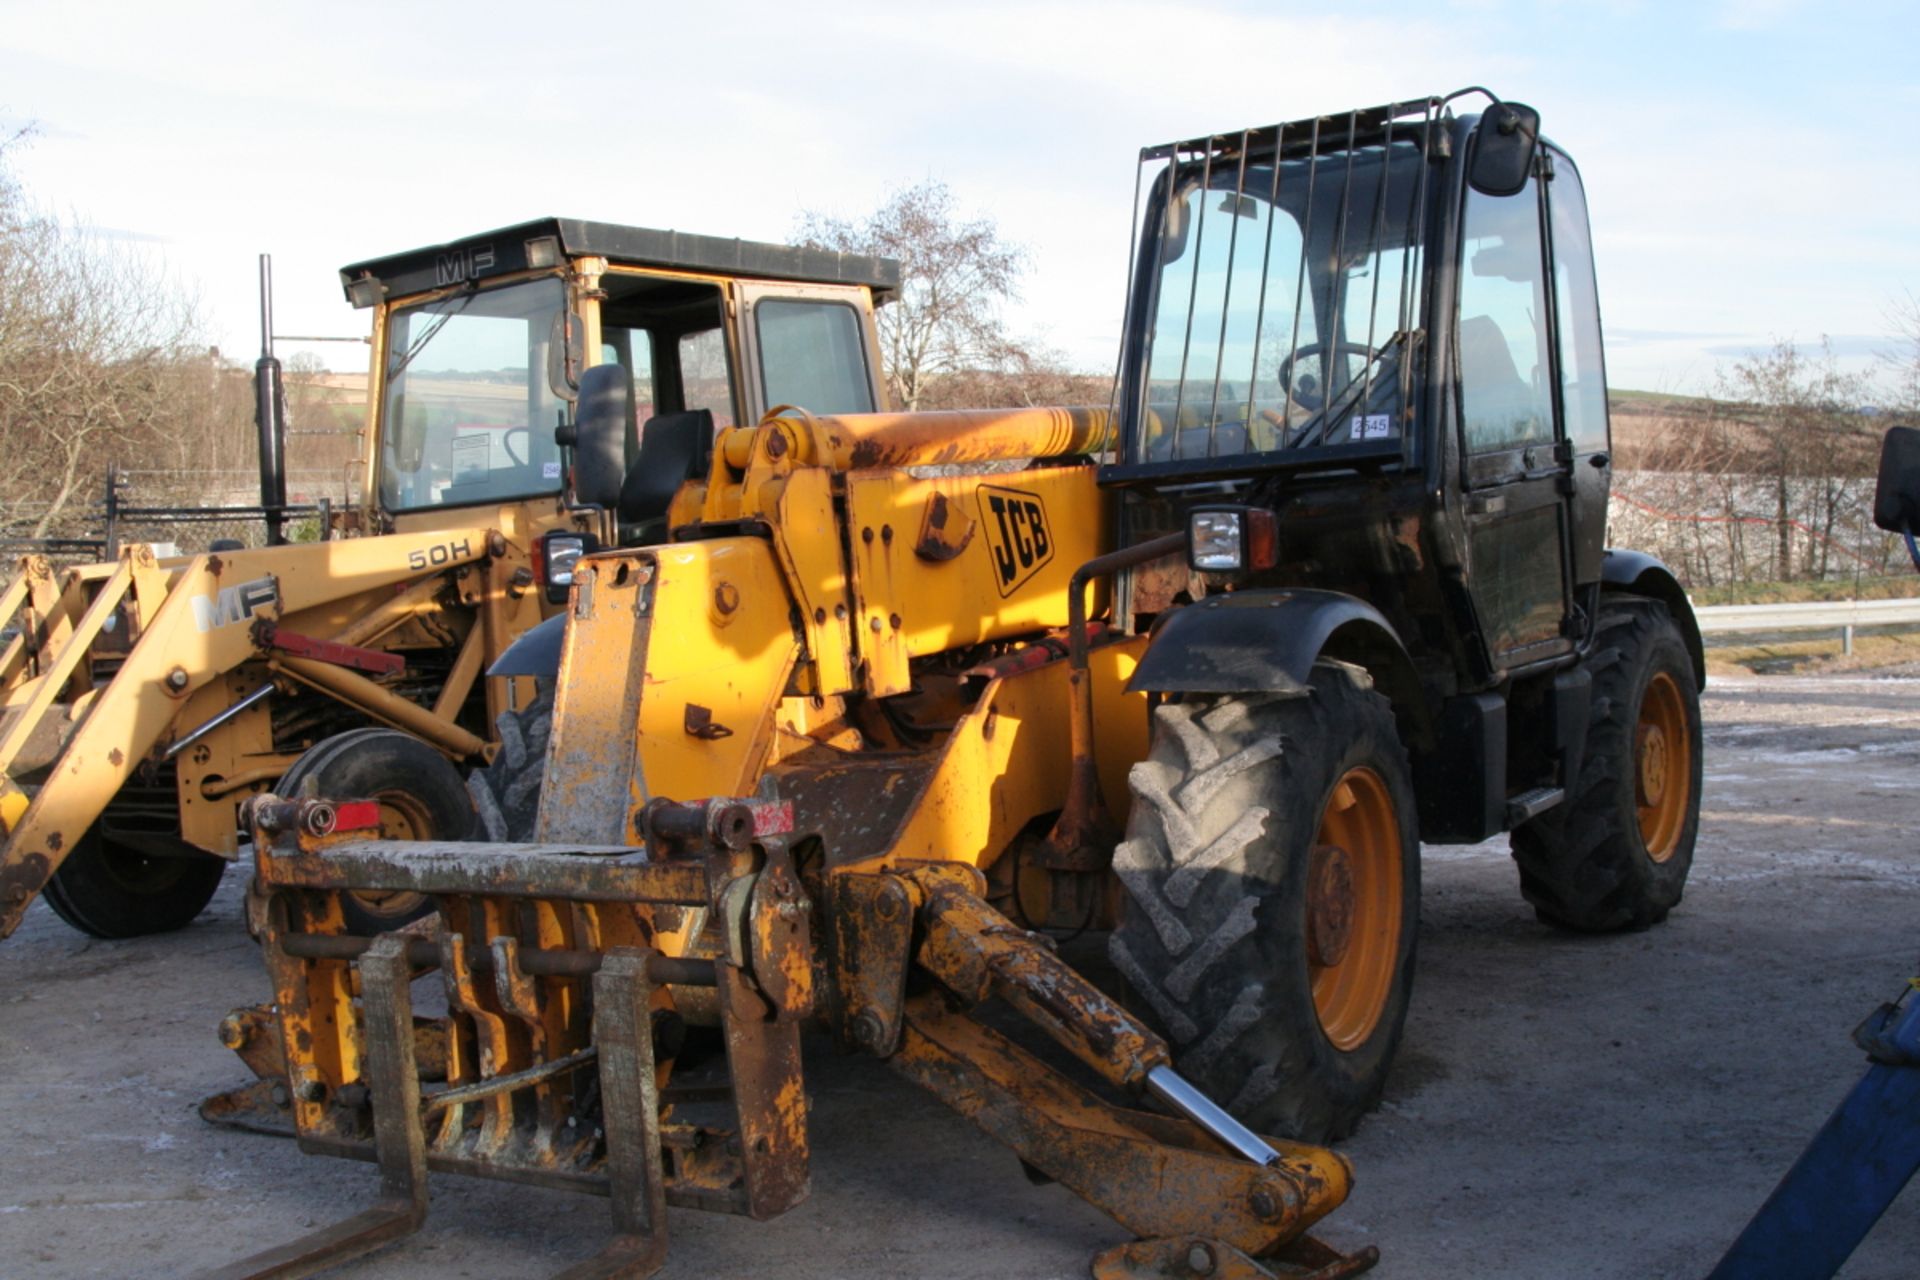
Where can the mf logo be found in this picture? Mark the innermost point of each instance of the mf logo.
(1018, 536)
(234, 604)
(457, 266)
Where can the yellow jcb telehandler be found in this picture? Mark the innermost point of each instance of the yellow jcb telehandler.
(143, 701)
(873, 725)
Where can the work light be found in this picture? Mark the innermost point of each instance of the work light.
(559, 552)
(543, 252)
(1232, 539)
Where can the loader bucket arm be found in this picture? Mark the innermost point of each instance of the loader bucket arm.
(191, 624)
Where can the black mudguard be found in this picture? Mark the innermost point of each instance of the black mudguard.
(1268, 641)
(1643, 575)
(535, 653)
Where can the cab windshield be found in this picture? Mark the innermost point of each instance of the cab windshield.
(469, 414)
(1281, 299)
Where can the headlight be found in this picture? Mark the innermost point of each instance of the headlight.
(559, 552)
(1232, 539)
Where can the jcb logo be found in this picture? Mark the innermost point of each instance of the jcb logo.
(1018, 536)
(234, 604)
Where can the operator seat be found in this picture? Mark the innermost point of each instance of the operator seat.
(674, 448)
(1499, 405)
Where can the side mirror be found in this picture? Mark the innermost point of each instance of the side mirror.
(603, 419)
(1896, 499)
(1503, 147)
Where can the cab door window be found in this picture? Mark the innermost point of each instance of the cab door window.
(812, 356)
(1506, 399)
(1583, 376)
(632, 349)
(705, 380)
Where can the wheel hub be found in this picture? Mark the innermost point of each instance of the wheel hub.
(1651, 777)
(1330, 905)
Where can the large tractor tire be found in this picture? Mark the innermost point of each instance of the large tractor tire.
(1615, 854)
(421, 797)
(506, 794)
(1272, 876)
(109, 888)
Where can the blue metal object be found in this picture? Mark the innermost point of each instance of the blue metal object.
(1850, 1172)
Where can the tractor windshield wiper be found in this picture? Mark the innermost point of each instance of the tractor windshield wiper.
(419, 344)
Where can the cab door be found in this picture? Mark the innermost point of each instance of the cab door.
(1582, 377)
(810, 346)
(1514, 452)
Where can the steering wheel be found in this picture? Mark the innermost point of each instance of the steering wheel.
(1309, 394)
(506, 442)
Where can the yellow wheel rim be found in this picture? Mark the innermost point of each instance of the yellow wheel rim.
(402, 817)
(1353, 908)
(1662, 767)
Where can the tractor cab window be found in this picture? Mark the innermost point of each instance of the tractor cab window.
(468, 413)
(1583, 375)
(812, 356)
(632, 348)
(1506, 395)
(1280, 301)
(705, 379)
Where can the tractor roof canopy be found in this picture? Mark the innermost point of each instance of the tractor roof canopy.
(544, 241)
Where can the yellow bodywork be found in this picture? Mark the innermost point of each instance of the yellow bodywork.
(187, 653)
(825, 753)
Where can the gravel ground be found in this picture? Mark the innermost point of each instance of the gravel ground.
(1562, 1107)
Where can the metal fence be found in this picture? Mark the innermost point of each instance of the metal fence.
(134, 508)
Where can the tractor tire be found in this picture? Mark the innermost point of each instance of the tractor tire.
(1272, 897)
(1616, 852)
(421, 797)
(506, 794)
(110, 889)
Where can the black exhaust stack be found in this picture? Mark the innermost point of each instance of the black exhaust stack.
(270, 414)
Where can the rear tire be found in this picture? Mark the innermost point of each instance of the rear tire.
(506, 794)
(421, 797)
(109, 889)
(1615, 854)
(1281, 972)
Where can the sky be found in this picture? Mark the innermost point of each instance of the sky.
(1746, 161)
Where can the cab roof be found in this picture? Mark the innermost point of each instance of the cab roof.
(499, 252)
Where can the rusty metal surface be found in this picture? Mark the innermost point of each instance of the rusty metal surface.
(976, 952)
(623, 1035)
(616, 873)
(870, 923)
(387, 1001)
(863, 440)
(1119, 1161)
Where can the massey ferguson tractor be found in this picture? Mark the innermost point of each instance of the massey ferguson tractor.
(843, 724)
(143, 702)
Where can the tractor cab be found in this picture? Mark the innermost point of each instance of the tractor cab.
(1393, 308)
(481, 345)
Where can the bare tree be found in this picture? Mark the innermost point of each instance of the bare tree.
(1902, 363)
(92, 347)
(1809, 442)
(955, 275)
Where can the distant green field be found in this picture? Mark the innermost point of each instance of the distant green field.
(1627, 401)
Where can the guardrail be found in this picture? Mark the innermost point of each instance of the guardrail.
(1722, 622)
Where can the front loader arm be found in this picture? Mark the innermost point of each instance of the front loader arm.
(192, 625)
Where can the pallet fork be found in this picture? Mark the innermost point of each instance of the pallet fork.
(569, 983)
